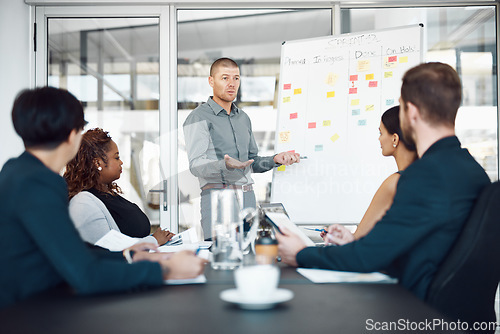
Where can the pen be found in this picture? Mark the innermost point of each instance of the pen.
(316, 229)
(197, 251)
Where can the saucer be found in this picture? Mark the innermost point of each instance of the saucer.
(234, 296)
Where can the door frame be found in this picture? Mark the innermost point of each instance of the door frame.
(168, 81)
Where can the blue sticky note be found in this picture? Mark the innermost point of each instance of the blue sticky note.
(318, 148)
(389, 102)
(362, 122)
(356, 112)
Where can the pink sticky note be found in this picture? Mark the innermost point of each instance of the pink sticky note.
(392, 59)
(287, 86)
(311, 125)
(353, 91)
(353, 78)
(372, 84)
(292, 151)
(294, 115)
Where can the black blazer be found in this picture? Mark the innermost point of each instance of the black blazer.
(40, 245)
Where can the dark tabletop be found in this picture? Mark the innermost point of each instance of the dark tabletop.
(315, 308)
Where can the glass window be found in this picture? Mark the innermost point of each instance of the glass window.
(465, 38)
(253, 39)
(112, 66)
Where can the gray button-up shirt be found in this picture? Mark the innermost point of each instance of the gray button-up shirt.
(211, 133)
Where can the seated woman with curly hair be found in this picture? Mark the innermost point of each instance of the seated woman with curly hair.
(96, 206)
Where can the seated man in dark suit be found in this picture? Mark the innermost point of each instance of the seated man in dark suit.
(41, 247)
(433, 199)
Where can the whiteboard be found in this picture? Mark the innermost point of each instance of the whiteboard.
(332, 93)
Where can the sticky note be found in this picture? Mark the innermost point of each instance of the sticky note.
(372, 84)
(370, 107)
(356, 112)
(294, 115)
(353, 91)
(334, 137)
(392, 59)
(388, 74)
(318, 148)
(291, 151)
(389, 102)
(331, 79)
(311, 125)
(389, 64)
(362, 122)
(281, 168)
(287, 86)
(330, 94)
(369, 76)
(297, 91)
(355, 102)
(403, 59)
(284, 136)
(286, 99)
(353, 77)
(327, 123)
(363, 65)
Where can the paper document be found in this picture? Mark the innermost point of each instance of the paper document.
(177, 248)
(116, 241)
(187, 237)
(282, 220)
(197, 280)
(332, 276)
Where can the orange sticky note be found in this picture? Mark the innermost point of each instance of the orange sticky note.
(370, 76)
(297, 91)
(311, 125)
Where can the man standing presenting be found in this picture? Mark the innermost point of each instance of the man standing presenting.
(434, 195)
(221, 148)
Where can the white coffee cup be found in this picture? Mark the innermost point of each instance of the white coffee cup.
(257, 282)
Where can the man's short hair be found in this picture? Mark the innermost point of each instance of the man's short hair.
(435, 89)
(222, 62)
(44, 117)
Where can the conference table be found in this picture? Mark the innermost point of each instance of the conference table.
(197, 308)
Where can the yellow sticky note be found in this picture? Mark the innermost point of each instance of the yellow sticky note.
(334, 137)
(370, 76)
(330, 94)
(286, 99)
(363, 65)
(281, 168)
(297, 91)
(355, 102)
(331, 79)
(284, 136)
(327, 123)
(388, 74)
(370, 107)
(403, 59)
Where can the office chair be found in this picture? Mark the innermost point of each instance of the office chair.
(465, 285)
